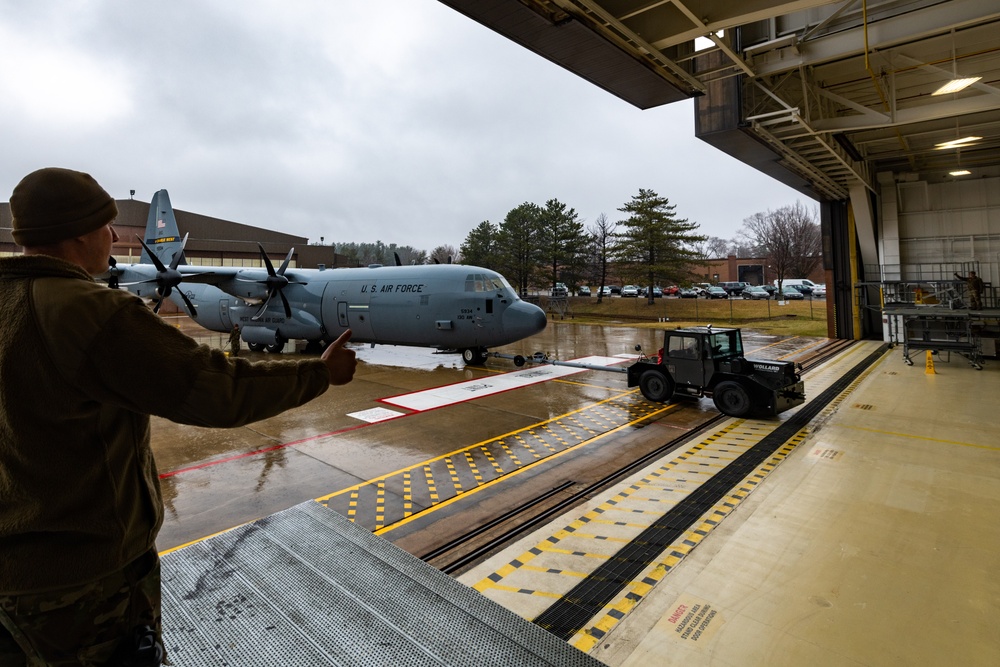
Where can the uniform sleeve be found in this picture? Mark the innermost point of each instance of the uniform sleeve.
(143, 364)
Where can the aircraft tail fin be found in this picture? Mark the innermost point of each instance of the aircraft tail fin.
(162, 235)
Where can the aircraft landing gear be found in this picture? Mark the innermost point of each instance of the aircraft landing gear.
(474, 356)
(256, 347)
(276, 347)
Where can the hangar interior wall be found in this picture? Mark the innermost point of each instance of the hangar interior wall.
(940, 228)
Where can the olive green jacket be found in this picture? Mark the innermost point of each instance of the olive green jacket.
(82, 367)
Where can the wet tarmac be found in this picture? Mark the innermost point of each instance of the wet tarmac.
(215, 479)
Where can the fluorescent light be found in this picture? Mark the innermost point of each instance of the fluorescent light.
(956, 85)
(960, 172)
(957, 143)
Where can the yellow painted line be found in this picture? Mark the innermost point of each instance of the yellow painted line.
(483, 443)
(524, 468)
(919, 437)
(586, 638)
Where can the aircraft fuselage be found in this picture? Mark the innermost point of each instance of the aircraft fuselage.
(442, 306)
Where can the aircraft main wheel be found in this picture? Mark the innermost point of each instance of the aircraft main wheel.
(275, 348)
(732, 399)
(474, 356)
(656, 386)
(256, 347)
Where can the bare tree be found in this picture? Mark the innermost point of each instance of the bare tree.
(601, 237)
(444, 254)
(789, 237)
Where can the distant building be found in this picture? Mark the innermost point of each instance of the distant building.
(212, 242)
(753, 270)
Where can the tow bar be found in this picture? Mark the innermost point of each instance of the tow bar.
(542, 358)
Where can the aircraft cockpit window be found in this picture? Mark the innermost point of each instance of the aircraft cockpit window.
(478, 282)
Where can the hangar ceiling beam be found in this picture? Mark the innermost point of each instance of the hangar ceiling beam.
(620, 32)
(883, 34)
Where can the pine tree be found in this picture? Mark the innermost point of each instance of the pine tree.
(653, 244)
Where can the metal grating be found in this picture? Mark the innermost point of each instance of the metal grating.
(308, 587)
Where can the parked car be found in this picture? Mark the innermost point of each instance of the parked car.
(583, 290)
(606, 290)
(716, 292)
(795, 282)
(630, 290)
(771, 289)
(616, 289)
(672, 290)
(819, 291)
(734, 287)
(791, 294)
(687, 293)
(756, 292)
(560, 289)
(657, 292)
(805, 290)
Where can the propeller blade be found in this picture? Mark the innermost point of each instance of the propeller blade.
(190, 306)
(284, 265)
(396, 255)
(179, 255)
(260, 312)
(156, 260)
(284, 302)
(267, 261)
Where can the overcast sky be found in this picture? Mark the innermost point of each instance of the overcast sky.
(400, 121)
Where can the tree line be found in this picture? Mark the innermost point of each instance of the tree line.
(540, 245)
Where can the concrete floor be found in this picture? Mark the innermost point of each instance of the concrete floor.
(873, 543)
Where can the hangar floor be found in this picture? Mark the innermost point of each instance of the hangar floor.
(873, 543)
(870, 544)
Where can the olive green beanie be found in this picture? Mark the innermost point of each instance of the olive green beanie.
(52, 204)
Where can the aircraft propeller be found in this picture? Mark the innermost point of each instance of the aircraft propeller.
(275, 281)
(167, 278)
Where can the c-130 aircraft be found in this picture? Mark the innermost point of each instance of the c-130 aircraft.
(444, 306)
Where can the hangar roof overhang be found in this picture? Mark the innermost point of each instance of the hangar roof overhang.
(827, 94)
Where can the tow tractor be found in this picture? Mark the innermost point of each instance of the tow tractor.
(704, 361)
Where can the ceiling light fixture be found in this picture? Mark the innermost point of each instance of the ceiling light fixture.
(959, 172)
(957, 143)
(956, 85)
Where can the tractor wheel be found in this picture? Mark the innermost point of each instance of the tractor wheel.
(732, 399)
(656, 386)
(474, 356)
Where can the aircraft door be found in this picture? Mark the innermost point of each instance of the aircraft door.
(345, 305)
(224, 313)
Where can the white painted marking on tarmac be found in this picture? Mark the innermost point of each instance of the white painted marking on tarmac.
(438, 397)
(375, 415)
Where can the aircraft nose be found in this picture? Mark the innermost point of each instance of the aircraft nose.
(522, 319)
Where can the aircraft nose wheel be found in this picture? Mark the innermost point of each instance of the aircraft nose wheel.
(474, 356)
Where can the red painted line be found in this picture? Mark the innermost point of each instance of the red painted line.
(264, 450)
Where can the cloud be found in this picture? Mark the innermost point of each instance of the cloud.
(403, 122)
